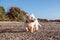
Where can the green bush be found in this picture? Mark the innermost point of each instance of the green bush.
(2, 13)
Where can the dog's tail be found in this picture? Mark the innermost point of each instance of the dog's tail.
(39, 25)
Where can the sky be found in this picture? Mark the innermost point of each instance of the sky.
(45, 9)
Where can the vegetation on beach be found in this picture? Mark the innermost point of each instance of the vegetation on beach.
(14, 14)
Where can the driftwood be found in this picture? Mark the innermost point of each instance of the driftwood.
(46, 20)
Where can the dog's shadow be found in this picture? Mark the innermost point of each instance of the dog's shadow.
(12, 31)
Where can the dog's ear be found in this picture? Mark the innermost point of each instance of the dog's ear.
(27, 14)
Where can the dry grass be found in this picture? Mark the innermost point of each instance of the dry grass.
(16, 31)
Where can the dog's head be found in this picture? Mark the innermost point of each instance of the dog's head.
(30, 17)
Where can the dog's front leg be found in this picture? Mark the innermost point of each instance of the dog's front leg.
(32, 29)
(27, 29)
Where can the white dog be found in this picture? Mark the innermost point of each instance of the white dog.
(31, 23)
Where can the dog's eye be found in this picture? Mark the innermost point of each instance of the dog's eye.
(31, 17)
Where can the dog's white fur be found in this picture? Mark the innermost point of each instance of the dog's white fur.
(31, 26)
